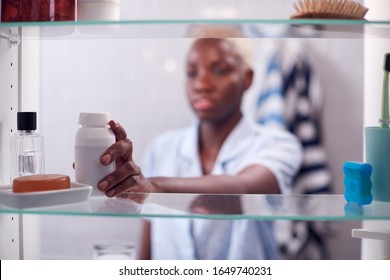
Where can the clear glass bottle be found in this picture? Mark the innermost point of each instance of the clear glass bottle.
(27, 147)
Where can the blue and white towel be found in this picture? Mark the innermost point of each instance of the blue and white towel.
(290, 99)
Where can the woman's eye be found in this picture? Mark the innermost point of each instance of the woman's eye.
(191, 73)
(221, 71)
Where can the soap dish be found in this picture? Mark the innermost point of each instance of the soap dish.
(76, 193)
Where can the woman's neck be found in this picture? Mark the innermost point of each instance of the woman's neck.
(211, 138)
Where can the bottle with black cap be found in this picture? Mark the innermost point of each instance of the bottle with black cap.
(27, 147)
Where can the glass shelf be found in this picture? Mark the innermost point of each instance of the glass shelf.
(217, 206)
(256, 28)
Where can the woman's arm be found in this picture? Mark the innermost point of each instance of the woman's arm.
(253, 179)
(128, 176)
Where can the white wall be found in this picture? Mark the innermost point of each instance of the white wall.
(140, 82)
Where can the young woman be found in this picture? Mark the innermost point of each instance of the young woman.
(223, 152)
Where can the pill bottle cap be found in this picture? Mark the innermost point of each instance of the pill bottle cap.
(89, 119)
(26, 120)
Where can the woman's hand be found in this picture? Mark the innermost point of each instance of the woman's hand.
(127, 178)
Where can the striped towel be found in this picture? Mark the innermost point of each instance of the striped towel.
(289, 99)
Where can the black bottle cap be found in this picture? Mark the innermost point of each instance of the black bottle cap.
(27, 120)
(387, 62)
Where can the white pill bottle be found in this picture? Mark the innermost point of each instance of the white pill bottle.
(93, 137)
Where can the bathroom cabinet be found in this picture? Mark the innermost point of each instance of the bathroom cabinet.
(19, 52)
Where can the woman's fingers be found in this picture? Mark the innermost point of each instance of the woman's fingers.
(127, 177)
(115, 180)
(121, 187)
(121, 149)
(129, 187)
(119, 131)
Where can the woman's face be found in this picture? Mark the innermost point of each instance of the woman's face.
(216, 79)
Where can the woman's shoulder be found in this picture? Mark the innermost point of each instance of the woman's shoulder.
(173, 136)
(257, 130)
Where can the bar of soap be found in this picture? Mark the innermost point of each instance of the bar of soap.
(41, 182)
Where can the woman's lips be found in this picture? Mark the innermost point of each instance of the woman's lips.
(202, 104)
